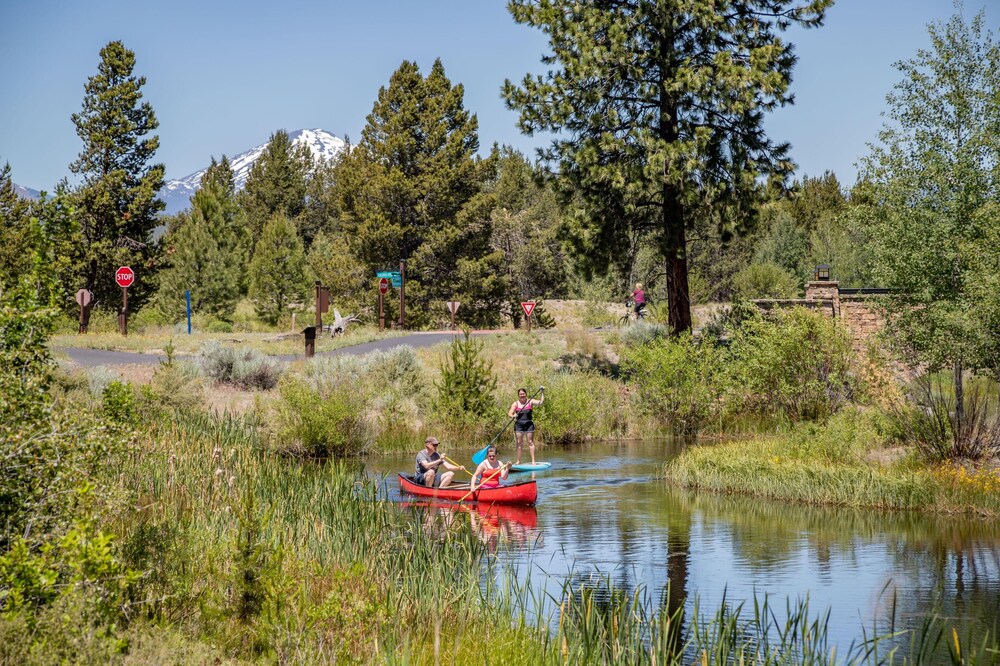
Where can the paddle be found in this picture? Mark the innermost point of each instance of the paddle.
(480, 455)
(490, 478)
(457, 465)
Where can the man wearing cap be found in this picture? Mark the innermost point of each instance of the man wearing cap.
(429, 464)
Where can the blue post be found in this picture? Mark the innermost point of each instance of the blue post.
(187, 297)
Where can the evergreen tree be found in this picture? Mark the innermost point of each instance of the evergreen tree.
(15, 240)
(321, 213)
(205, 258)
(412, 190)
(933, 189)
(276, 184)
(331, 262)
(526, 230)
(116, 202)
(659, 108)
(277, 270)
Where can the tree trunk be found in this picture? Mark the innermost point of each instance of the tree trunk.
(673, 242)
(959, 398)
(674, 249)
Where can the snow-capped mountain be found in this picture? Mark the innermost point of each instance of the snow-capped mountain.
(26, 192)
(176, 194)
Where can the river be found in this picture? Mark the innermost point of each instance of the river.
(602, 512)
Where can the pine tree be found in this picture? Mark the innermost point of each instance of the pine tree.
(277, 270)
(15, 240)
(526, 230)
(412, 190)
(659, 107)
(116, 203)
(331, 262)
(205, 258)
(277, 183)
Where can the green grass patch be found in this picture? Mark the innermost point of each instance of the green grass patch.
(844, 462)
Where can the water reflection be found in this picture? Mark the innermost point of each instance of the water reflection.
(498, 526)
(602, 513)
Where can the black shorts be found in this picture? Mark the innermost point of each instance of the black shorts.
(524, 427)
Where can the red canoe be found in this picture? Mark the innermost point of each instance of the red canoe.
(524, 493)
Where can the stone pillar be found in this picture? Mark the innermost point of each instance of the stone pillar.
(824, 290)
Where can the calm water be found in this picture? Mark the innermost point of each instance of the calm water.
(600, 511)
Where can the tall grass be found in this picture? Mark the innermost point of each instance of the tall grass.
(840, 463)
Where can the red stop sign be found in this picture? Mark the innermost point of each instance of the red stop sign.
(383, 285)
(124, 276)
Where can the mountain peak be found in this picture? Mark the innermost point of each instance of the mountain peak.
(323, 145)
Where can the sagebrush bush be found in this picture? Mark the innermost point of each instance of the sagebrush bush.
(679, 380)
(176, 385)
(793, 362)
(244, 367)
(643, 333)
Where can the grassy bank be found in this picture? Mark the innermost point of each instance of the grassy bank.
(236, 555)
(845, 462)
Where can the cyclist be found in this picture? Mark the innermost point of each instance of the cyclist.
(639, 298)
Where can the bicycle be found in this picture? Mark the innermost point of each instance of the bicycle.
(631, 315)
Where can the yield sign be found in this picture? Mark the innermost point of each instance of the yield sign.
(528, 308)
(453, 306)
(383, 285)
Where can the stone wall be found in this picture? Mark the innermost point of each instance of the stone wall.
(855, 308)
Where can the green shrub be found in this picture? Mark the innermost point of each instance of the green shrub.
(215, 325)
(795, 362)
(48, 450)
(320, 423)
(119, 404)
(581, 405)
(929, 419)
(244, 367)
(84, 558)
(679, 380)
(765, 280)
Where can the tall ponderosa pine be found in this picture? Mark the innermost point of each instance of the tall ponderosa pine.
(207, 253)
(934, 189)
(411, 190)
(277, 270)
(659, 107)
(116, 203)
(277, 183)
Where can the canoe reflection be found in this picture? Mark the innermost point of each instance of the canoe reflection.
(513, 527)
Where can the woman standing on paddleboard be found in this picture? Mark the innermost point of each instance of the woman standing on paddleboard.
(524, 426)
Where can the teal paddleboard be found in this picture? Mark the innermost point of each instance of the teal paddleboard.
(528, 467)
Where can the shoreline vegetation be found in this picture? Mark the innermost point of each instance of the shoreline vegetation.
(845, 462)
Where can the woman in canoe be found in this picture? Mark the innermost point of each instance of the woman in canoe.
(524, 426)
(490, 472)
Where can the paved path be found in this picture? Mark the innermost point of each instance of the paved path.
(94, 357)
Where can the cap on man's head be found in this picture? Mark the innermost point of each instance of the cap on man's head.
(431, 440)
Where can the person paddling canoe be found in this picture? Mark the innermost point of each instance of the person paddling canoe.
(524, 426)
(429, 463)
(490, 472)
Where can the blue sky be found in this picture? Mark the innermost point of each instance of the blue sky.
(222, 75)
